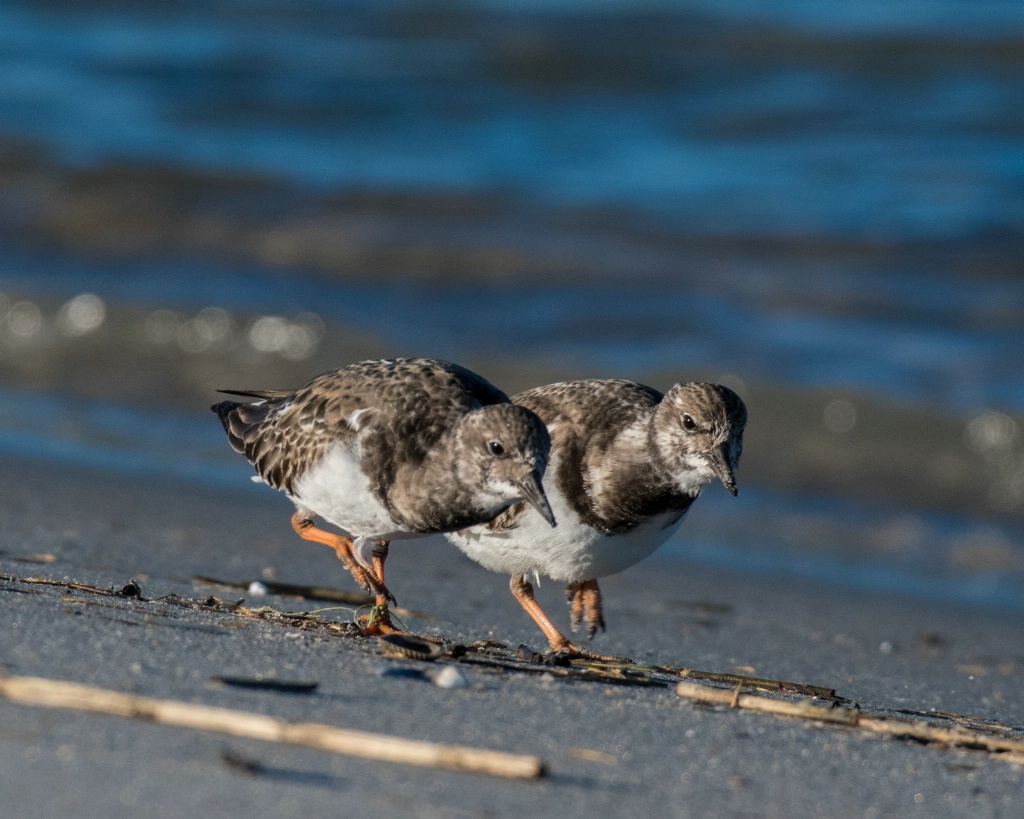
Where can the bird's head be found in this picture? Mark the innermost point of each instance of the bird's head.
(503, 452)
(699, 434)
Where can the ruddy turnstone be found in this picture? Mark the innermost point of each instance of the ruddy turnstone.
(388, 450)
(626, 464)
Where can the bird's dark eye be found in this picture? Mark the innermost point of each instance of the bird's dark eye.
(496, 448)
(688, 423)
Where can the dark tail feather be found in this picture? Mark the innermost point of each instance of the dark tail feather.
(265, 395)
(224, 411)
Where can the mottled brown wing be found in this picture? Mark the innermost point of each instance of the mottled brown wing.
(584, 418)
(406, 404)
(282, 437)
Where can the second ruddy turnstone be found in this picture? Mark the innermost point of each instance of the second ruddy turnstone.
(388, 450)
(626, 464)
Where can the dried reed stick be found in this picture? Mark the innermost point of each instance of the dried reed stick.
(49, 693)
(1008, 748)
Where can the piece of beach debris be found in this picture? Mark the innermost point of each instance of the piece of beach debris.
(450, 677)
(308, 593)
(760, 683)
(927, 731)
(37, 557)
(292, 589)
(525, 654)
(417, 674)
(131, 589)
(243, 764)
(592, 755)
(48, 693)
(734, 698)
(69, 585)
(409, 646)
(266, 684)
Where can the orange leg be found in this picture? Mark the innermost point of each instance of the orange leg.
(343, 549)
(380, 618)
(379, 555)
(523, 592)
(584, 598)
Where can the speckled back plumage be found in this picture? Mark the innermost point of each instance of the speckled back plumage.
(585, 418)
(408, 404)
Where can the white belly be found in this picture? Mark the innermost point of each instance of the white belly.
(568, 552)
(337, 490)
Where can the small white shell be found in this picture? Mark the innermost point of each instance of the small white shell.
(451, 677)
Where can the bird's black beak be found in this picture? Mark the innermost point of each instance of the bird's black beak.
(533, 492)
(719, 462)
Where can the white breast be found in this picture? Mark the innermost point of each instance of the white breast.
(336, 489)
(568, 552)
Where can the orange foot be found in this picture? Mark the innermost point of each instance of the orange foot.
(585, 604)
(571, 651)
(378, 622)
(560, 644)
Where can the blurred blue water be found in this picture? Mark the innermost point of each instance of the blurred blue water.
(916, 340)
(888, 120)
(862, 121)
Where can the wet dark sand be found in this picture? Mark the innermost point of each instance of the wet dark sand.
(610, 750)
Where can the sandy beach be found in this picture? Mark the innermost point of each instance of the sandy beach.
(610, 750)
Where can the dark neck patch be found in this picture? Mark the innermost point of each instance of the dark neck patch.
(631, 495)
